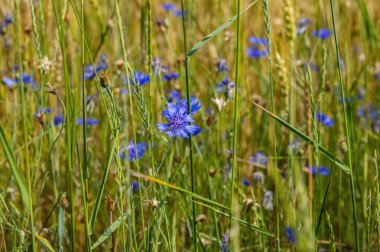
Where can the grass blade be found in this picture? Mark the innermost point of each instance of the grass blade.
(12, 164)
(194, 195)
(206, 39)
(45, 242)
(308, 140)
(99, 195)
(108, 232)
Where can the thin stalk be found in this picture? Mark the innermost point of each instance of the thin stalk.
(24, 124)
(267, 28)
(352, 179)
(236, 100)
(84, 172)
(189, 112)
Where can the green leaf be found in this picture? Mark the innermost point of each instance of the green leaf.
(307, 139)
(45, 242)
(12, 163)
(101, 190)
(206, 39)
(108, 232)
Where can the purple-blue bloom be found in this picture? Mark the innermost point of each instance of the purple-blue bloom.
(168, 6)
(302, 26)
(195, 104)
(221, 66)
(225, 87)
(322, 33)
(134, 152)
(290, 235)
(178, 121)
(259, 49)
(363, 110)
(7, 21)
(89, 72)
(89, 121)
(246, 182)
(27, 79)
(325, 120)
(174, 96)
(259, 158)
(135, 186)
(322, 170)
(58, 120)
(139, 78)
(170, 76)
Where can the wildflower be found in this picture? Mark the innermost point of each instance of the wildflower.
(135, 186)
(178, 121)
(139, 79)
(7, 21)
(156, 66)
(154, 203)
(195, 104)
(220, 103)
(322, 33)
(168, 6)
(325, 120)
(170, 76)
(322, 170)
(259, 49)
(302, 26)
(290, 235)
(370, 110)
(259, 158)
(221, 66)
(246, 182)
(89, 121)
(58, 120)
(259, 177)
(174, 96)
(134, 152)
(225, 87)
(27, 80)
(268, 200)
(45, 64)
(224, 243)
(90, 72)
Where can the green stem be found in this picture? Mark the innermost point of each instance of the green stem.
(352, 179)
(189, 111)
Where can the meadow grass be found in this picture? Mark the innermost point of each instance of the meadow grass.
(187, 125)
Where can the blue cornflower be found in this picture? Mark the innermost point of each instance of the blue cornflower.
(178, 12)
(174, 96)
(259, 48)
(224, 243)
(377, 76)
(221, 66)
(178, 121)
(58, 120)
(322, 33)
(45, 110)
(259, 158)
(27, 79)
(170, 76)
(89, 71)
(195, 104)
(363, 110)
(259, 177)
(135, 186)
(225, 87)
(325, 120)
(139, 78)
(134, 152)
(89, 121)
(290, 235)
(322, 170)
(168, 6)
(246, 182)
(302, 26)
(7, 21)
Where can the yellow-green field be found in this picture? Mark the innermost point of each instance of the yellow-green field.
(141, 125)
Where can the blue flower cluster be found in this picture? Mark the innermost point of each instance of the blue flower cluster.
(259, 48)
(173, 9)
(27, 80)
(133, 152)
(325, 120)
